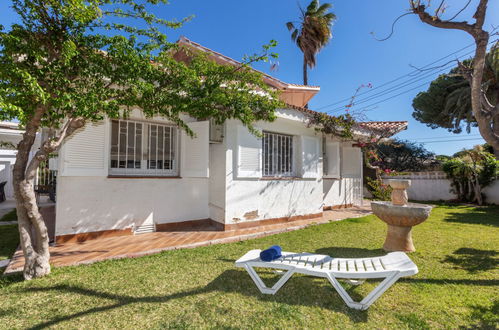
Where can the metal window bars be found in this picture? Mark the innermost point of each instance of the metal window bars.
(277, 154)
(143, 149)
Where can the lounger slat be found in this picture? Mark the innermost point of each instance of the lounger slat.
(368, 265)
(377, 264)
(351, 266)
(343, 266)
(335, 265)
(360, 265)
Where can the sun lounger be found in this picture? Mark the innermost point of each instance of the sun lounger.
(391, 267)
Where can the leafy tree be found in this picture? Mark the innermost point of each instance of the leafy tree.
(69, 62)
(313, 32)
(470, 172)
(402, 156)
(485, 111)
(447, 102)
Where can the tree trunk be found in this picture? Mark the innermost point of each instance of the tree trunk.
(305, 71)
(32, 230)
(305, 76)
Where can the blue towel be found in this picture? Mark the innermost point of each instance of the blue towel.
(272, 253)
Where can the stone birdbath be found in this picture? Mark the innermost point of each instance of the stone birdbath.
(400, 216)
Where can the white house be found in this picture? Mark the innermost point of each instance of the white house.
(10, 135)
(120, 177)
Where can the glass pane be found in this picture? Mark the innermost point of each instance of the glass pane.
(138, 144)
(122, 145)
(114, 143)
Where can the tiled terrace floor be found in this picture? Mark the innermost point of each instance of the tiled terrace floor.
(139, 245)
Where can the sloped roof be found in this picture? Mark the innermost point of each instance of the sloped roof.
(384, 128)
(380, 128)
(227, 60)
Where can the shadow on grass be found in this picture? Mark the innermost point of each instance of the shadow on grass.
(301, 291)
(485, 317)
(488, 216)
(473, 260)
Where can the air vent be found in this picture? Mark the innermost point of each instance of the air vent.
(144, 229)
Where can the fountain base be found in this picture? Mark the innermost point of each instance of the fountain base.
(398, 239)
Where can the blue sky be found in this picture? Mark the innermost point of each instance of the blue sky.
(352, 58)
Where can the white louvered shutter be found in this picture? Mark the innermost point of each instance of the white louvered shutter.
(195, 151)
(249, 154)
(332, 162)
(310, 156)
(85, 152)
(352, 162)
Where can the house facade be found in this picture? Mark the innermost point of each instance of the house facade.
(122, 177)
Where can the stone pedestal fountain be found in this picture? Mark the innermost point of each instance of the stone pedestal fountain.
(400, 216)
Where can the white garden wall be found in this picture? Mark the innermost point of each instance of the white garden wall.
(434, 186)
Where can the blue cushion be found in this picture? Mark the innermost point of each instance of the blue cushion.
(272, 253)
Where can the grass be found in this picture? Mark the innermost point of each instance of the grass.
(457, 285)
(9, 240)
(11, 216)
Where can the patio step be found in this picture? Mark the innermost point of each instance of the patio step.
(145, 229)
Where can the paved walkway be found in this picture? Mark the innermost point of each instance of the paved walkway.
(139, 245)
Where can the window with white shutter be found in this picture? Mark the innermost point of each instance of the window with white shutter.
(249, 157)
(310, 156)
(332, 159)
(143, 149)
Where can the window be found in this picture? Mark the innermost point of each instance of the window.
(277, 154)
(139, 148)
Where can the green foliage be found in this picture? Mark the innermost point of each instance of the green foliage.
(340, 126)
(447, 102)
(470, 172)
(402, 156)
(379, 190)
(314, 32)
(58, 61)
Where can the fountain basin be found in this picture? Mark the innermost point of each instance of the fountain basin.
(407, 215)
(400, 216)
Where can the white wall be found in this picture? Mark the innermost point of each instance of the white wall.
(86, 204)
(434, 186)
(249, 199)
(88, 200)
(492, 193)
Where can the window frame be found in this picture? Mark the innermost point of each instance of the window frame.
(289, 162)
(145, 149)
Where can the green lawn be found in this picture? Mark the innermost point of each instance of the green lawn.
(11, 216)
(9, 240)
(457, 286)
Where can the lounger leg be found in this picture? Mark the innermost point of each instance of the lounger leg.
(261, 286)
(379, 290)
(370, 298)
(342, 292)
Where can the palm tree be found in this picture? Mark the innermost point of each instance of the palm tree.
(313, 32)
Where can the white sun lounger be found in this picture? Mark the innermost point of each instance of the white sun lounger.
(391, 267)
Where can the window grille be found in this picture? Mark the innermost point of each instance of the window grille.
(139, 148)
(277, 154)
